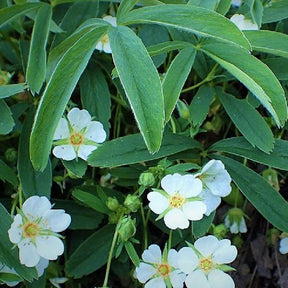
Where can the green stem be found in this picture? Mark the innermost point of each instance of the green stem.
(170, 240)
(145, 236)
(110, 256)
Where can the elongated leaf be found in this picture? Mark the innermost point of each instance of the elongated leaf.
(254, 74)
(32, 182)
(92, 254)
(125, 7)
(10, 13)
(275, 11)
(175, 79)
(131, 149)
(248, 121)
(200, 228)
(76, 167)
(259, 192)
(12, 89)
(8, 255)
(197, 20)
(58, 91)
(141, 83)
(278, 158)
(167, 47)
(279, 67)
(36, 67)
(272, 42)
(6, 119)
(7, 174)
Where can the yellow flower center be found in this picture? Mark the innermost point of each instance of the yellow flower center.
(76, 139)
(30, 230)
(176, 201)
(206, 264)
(104, 39)
(163, 269)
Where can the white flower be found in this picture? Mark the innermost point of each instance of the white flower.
(216, 184)
(103, 44)
(156, 271)
(235, 221)
(236, 3)
(203, 264)
(242, 23)
(6, 270)
(283, 245)
(78, 136)
(179, 202)
(35, 230)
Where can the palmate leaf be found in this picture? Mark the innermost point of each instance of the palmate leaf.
(197, 20)
(259, 192)
(141, 83)
(59, 88)
(253, 73)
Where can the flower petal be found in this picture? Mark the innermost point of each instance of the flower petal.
(194, 210)
(197, 279)
(158, 203)
(49, 247)
(173, 258)
(62, 130)
(41, 266)
(177, 278)
(85, 150)
(206, 245)
(187, 260)
(99, 46)
(95, 132)
(242, 226)
(190, 186)
(242, 23)
(110, 19)
(170, 183)
(155, 283)
(219, 279)
(28, 254)
(35, 207)
(65, 152)
(144, 272)
(225, 252)
(15, 231)
(107, 48)
(211, 201)
(175, 218)
(153, 254)
(57, 220)
(283, 249)
(78, 118)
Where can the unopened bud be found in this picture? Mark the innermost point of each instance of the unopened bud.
(132, 202)
(146, 179)
(11, 155)
(127, 228)
(112, 203)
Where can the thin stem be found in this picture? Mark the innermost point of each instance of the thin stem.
(110, 256)
(170, 239)
(145, 236)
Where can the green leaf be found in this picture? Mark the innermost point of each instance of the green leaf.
(8, 14)
(32, 182)
(132, 253)
(200, 104)
(248, 121)
(12, 89)
(91, 201)
(7, 174)
(36, 67)
(167, 47)
(223, 6)
(175, 78)
(271, 42)
(275, 11)
(201, 227)
(141, 83)
(278, 158)
(197, 20)
(92, 254)
(6, 120)
(259, 192)
(95, 94)
(8, 255)
(77, 167)
(253, 73)
(58, 91)
(125, 7)
(131, 149)
(279, 67)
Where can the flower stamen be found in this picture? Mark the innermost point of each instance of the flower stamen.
(76, 139)
(206, 264)
(163, 269)
(30, 230)
(176, 201)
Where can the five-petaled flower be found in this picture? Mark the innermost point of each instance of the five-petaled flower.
(205, 262)
(157, 272)
(104, 44)
(216, 184)
(179, 200)
(242, 23)
(35, 231)
(78, 136)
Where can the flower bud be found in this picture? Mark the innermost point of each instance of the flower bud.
(112, 203)
(132, 202)
(235, 221)
(220, 231)
(127, 228)
(11, 155)
(271, 176)
(146, 179)
(183, 110)
(4, 77)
